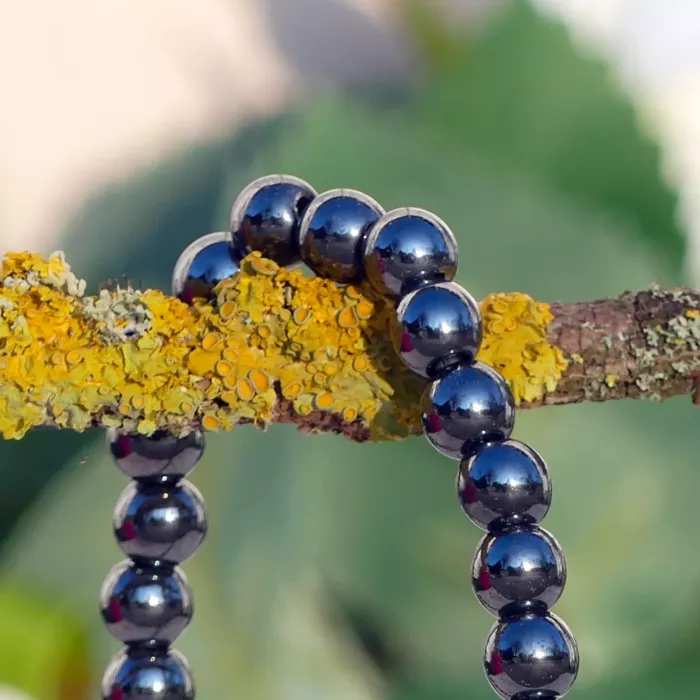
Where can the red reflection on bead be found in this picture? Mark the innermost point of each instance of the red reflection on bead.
(406, 343)
(117, 694)
(114, 610)
(484, 580)
(187, 296)
(433, 423)
(124, 445)
(495, 664)
(470, 493)
(128, 530)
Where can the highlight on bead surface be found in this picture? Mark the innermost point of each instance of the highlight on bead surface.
(332, 232)
(165, 523)
(202, 265)
(158, 456)
(437, 322)
(518, 569)
(152, 674)
(406, 247)
(504, 481)
(469, 405)
(146, 605)
(266, 217)
(529, 653)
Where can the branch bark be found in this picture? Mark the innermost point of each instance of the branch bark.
(276, 347)
(643, 345)
(639, 345)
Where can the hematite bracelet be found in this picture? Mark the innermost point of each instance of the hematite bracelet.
(408, 255)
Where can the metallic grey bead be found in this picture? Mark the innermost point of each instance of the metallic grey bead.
(266, 217)
(469, 405)
(158, 457)
(332, 231)
(504, 481)
(530, 653)
(146, 605)
(434, 324)
(202, 265)
(518, 569)
(160, 522)
(148, 674)
(407, 246)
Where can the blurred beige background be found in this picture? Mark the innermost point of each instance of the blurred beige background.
(71, 73)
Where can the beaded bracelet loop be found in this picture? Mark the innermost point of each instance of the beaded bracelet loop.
(468, 412)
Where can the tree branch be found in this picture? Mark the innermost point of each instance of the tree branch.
(276, 346)
(639, 345)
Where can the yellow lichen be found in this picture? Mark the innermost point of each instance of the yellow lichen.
(144, 361)
(324, 401)
(515, 343)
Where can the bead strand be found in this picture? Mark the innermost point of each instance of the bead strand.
(146, 602)
(468, 414)
(410, 255)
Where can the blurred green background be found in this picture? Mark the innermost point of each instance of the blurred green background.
(342, 570)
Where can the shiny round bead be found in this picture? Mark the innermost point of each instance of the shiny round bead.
(407, 246)
(518, 569)
(202, 265)
(332, 231)
(531, 653)
(148, 674)
(504, 482)
(434, 324)
(160, 522)
(158, 457)
(469, 405)
(146, 605)
(266, 217)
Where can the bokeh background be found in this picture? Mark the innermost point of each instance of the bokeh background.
(560, 141)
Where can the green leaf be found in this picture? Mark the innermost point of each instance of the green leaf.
(28, 465)
(37, 633)
(524, 96)
(434, 37)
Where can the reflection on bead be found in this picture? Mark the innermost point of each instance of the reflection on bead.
(435, 323)
(504, 481)
(407, 246)
(160, 522)
(536, 695)
(148, 674)
(332, 231)
(469, 405)
(266, 217)
(518, 569)
(146, 604)
(202, 265)
(157, 457)
(531, 653)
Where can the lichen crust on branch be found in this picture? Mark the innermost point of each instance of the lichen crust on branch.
(275, 345)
